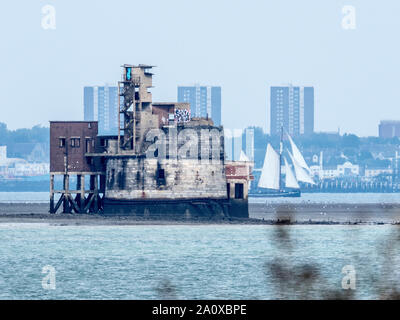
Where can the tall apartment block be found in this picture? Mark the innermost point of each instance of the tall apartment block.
(293, 109)
(204, 101)
(101, 104)
(249, 143)
(389, 129)
(238, 141)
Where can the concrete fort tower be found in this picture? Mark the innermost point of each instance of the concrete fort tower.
(167, 163)
(163, 162)
(135, 106)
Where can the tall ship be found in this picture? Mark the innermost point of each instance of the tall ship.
(271, 182)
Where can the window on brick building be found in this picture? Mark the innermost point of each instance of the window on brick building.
(61, 142)
(75, 142)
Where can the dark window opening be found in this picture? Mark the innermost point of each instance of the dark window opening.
(228, 190)
(138, 176)
(121, 181)
(88, 145)
(62, 143)
(239, 191)
(160, 176)
(75, 142)
(104, 143)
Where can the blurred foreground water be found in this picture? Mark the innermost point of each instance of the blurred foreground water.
(199, 262)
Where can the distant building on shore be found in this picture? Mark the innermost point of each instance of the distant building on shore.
(239, 144)
(101, 104)
(389, 129)
(3, 155)
(205, 101)
(346, 169)
(249, 143)
(16, 167)
(292, 108)
(233, 144)
(373, 172)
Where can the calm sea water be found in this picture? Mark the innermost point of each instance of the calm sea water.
(43, 197)
(196, 262)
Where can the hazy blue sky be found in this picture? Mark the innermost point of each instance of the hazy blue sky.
(243, 46)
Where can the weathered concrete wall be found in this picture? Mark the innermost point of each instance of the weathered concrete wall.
(180, 172)
(187, 209)
(139, 178)
(146, 82)
(184, 162)
(148, 121)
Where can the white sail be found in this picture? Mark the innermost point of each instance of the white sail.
(290, 180)
(301, 173)
(243, 156)
(297, 155)
(270, 172)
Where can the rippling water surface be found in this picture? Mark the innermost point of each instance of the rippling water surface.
(197, 262)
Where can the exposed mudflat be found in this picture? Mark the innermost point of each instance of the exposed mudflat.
(338, 212)
(259, 214)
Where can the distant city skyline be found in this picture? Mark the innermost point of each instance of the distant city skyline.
(233, 143)
(291, 108)
(249, 143)
(238, 142)
(389, 129)
(354, 71)
(205, 101)
(100, 103)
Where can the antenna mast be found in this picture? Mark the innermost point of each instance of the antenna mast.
(280, 159)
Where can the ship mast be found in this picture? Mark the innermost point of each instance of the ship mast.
(280, 160)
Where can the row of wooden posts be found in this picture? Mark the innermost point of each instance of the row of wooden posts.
(78, 200)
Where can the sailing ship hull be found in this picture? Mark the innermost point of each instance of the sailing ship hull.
(276, 194)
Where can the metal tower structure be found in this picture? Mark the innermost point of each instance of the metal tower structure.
(134, 98)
